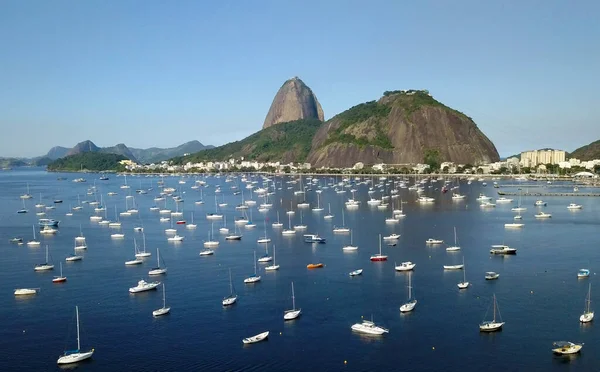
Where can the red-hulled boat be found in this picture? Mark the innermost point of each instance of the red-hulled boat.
(181, 222)
(379, 256)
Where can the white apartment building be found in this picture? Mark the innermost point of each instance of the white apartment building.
(546, 156)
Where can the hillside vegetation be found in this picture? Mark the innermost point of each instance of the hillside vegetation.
(91, 161)
(587, 152)
(285, 142)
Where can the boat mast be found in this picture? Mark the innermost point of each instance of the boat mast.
(77, 312)
(380, 244)
(164, 297)
(293, 298)
(230, 283)
(464, 271)
(409, 286)
(494, 308)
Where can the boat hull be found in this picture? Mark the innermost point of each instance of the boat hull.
(75, 357)
(161, 311)
(292, 314)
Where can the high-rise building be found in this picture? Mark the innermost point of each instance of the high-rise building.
(546, 156)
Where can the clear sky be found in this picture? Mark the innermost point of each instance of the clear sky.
(159, 73)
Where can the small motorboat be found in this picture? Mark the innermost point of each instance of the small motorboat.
(543, 215)
(513, 225)
(313, 238)
(405, 266)
(143, 286)
(314, 266)
(490, 275)
(454, 267)
(356, 272)
(26, 291)
(175, 238)
(207, 252)
(16, 240)
(257, 338)
(369, 327)
(574, 206)
(583, 273)
(392, 237)
(434, 241)
(540, 203)
(502, 249)
(566, 347)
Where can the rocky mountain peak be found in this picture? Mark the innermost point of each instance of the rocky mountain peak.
(294, 101)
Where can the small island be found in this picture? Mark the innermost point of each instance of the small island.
(88, 161)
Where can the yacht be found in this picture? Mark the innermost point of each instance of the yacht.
(513, 225)
(490, 275)
(483, 197)
(143, 286)
(392, 237)
(369, 327)
(26, 291)
(583, 273)
(48, 222)
(574, 206)
(502, 249)
(588, 314)
(313, 238)
(175, 238)
(405, 266)
(356, 272)
(257, 338)
(492, 325)
(566, 347)
(425, 199)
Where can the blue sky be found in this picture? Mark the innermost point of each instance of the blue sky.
(156, 73)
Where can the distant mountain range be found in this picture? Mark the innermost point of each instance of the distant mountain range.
(151, 155)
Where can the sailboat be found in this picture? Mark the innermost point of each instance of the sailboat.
(519, 208)
(117, 223)
(293, 313)
(235, 235)
(464, 284)
(266, 239)
(191, 225)
(343, 228)
(163, 310)
(410, 305)
(232, 298)
(274, 266)
(318, 208)
(250, 224)
(211, 242)
(492, 325)
(379, 256)
(24, 210)
(253, 278)
(28, 195)
(158, 270)
(266, 257)
(328, 216)
(143, 253)
(277, 224)
(301, 226)
(588, 314)
(45, 266)
(216, 215)
(289, 230)
(74, 356)
(137, 260)
(60, 278)
(350, 247)
(455, 247)
(34, 242)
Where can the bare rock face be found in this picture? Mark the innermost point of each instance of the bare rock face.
(399, 129)
(293, 101)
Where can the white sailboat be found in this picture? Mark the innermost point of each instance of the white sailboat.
(164, 310)
(289, 230)
(318, 208)
(277, 224)
(253, 278)
(343, 228)
(265, 239)
(301, 226)
(45, 266)
(588, 314)
(211, 242)
(293, 313)
(410, 305)
(492, 325)
(137, 260)
(158, 270)
(464, 284)
(191, 225)
(143, 253)
(455, 247)
(34, 242)
(274, 266)
(350, 247)
(74, 356)
(232, 298)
